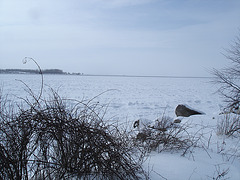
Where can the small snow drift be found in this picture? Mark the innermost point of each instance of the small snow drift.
(185, 111)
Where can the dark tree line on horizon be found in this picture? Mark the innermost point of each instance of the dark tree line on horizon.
(31, 71)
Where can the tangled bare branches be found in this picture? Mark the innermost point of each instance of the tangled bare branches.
(51, 141)
(229, 125)
(229, 81)
(229, 77)
(165, 136)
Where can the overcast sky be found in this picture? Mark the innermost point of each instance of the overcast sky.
(130, 37)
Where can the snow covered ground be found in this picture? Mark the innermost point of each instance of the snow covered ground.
(148, 98)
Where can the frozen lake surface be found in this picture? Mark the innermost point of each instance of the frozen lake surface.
(126, 97)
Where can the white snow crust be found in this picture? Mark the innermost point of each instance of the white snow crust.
(148, 98)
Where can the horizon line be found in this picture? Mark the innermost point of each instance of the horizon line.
(115, 75)
(157, 76)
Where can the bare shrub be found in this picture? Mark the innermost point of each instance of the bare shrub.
(229, 125)
(166, 136)
(48, 140)
(229, 81)
(228, 77)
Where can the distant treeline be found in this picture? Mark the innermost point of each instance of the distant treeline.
(31, 71)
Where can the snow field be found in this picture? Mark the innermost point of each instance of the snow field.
(128, 99)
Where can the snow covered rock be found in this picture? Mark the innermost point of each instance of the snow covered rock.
(185, 111)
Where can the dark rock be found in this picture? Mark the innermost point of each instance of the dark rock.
(142, 136)
(182, 110)
(177, 121)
